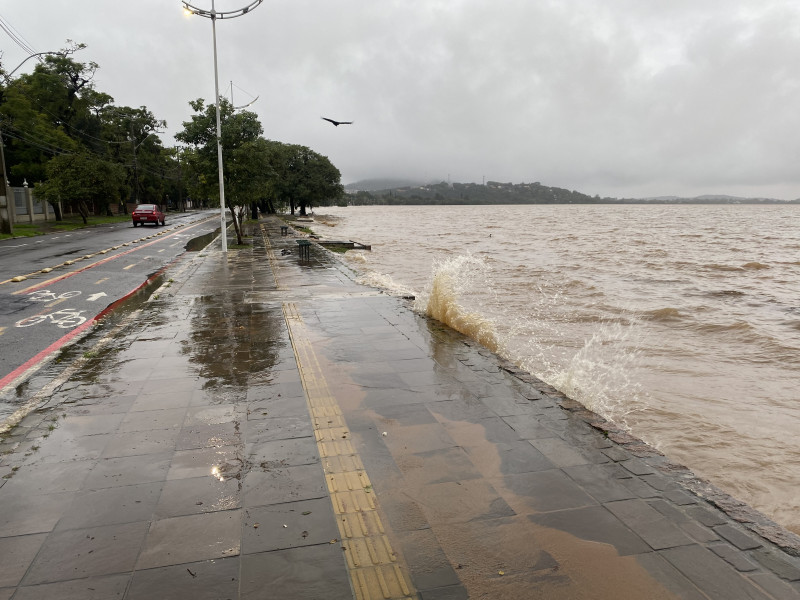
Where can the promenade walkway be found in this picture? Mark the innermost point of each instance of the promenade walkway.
(267, 428)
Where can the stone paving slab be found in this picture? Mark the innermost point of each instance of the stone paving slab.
(184, 463)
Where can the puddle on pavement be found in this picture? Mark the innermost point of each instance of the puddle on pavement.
(507, 557)
(90, 372)
(231, 340)
(200, 242)
(500, 552)
(96, 365)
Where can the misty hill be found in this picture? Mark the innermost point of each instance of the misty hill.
(510, 193)
(376, 185)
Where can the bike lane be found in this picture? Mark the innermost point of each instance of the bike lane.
(38, 320)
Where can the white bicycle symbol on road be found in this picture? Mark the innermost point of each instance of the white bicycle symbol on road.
(47, 295)
(65, 318)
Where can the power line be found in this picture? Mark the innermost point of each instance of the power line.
(37, 144)
(56, 150)
(16, 37)
(57, 119)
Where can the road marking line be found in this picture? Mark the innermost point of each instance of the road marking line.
(130, 266)
(373, 566)
(39, 360)
(99, 281)
(31, 366)
(56, 302)
(99, 262)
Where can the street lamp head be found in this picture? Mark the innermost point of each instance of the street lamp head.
(190, 9)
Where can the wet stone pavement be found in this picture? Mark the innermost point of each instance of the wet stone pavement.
(268, 428)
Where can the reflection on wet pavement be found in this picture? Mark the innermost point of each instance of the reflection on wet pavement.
(184, 461)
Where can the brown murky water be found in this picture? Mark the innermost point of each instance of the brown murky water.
(680, 322)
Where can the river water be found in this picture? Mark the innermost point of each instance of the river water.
(681, 323)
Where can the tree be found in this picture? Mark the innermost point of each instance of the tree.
(256, 170)
(250, 175)
(244, 163)
(278, 158)
(56, 110)
(78, 178)
(309, 178)
(130, 133)
(45, 112)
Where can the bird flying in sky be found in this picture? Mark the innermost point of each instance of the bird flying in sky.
(336, 123)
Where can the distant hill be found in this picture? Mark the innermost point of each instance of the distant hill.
(375, 185)
(492, 192)
(376, 191)
(716, 199)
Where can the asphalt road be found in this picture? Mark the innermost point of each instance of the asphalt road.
(72, 278)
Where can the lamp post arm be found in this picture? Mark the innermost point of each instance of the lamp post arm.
(145, 138)
(213, 14)
(8, 75)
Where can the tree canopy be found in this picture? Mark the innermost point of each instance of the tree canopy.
(80, 178)
(55, 112)
(79, 149)
(256, 171)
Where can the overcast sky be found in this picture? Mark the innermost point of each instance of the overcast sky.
(624, 98)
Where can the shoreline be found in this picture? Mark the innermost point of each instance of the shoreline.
(741, 512)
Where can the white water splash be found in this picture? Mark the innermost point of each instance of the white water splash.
(602, 374)
(384, 282)
(452, 285)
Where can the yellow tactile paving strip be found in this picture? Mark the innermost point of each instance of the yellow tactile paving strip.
(375, 570)
(270, 256)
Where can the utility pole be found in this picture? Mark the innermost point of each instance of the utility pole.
(135, 191)
(5, 198)
(181, 206)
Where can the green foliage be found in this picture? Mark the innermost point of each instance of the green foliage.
(48, 111)
(55, 111)
(308, 178)
(473, 193)
(131, 133)
(257, 171)
(80, 178)
(243, 158)
(200, 133)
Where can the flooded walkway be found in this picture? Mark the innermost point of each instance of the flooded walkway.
(267, 428)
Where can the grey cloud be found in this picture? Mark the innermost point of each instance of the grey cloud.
(620, 97)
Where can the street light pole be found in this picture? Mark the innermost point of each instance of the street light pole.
(223, 227)
(214, 15)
